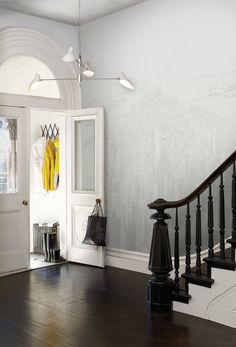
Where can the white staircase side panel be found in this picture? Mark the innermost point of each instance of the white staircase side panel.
(216, 303)
(222, 309)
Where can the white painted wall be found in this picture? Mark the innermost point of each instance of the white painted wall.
(63, 34)
(179, 124)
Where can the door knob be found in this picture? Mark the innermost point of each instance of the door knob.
(25, 202)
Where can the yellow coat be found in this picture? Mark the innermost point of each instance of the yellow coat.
(49, 166)
(57, 160)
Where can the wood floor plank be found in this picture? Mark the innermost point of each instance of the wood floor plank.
(80, 306)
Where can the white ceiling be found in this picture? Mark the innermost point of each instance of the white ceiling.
(65, 10)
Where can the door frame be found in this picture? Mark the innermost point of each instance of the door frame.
(26, 109)
(65, 113)
(64, 116)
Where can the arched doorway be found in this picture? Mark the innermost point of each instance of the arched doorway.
(25, 52)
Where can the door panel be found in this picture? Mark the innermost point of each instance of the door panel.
(14, 215)
(85, 134)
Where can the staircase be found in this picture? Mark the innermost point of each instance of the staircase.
(206, 288)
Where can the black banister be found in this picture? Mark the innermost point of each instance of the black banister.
(162, 289)
(163, 204)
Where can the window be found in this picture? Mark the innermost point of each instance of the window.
(8, 155)
(84, 155)
(17, 72)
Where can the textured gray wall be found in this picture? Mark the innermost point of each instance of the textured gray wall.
(167, 136)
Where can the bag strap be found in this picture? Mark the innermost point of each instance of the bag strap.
(97, 208)
(100, 206)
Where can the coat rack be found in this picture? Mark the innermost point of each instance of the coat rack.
(50, 132)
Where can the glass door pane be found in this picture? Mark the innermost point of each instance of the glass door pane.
(8, 155)
(84, 155)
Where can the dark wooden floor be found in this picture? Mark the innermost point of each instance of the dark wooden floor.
(72, 305)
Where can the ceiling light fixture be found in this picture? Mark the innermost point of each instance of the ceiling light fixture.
(84, 71)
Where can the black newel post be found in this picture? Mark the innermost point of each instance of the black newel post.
(160, 285)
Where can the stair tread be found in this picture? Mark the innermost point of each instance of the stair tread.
(180, 296)
(227, 252)
(204, 265)
(232, 242)
(203, 269)
(223, 260)
(202, 280)
(216, 261)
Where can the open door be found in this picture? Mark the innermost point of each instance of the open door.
(14, 210)
(85, 180)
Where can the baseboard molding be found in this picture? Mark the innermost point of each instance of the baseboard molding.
(136, 261)
(127, 260)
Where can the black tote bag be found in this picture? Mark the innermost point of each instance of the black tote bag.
(96, 227)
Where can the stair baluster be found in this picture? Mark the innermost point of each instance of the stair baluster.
(232, 240)
(210, 224)
(234, 203)
(188, 242)
(222, 218)
(198, 237)
(176, 254)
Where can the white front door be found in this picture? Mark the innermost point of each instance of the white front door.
(85, 180)
(14, 205)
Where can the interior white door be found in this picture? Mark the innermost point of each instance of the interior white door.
(85, 180)
(14, 210)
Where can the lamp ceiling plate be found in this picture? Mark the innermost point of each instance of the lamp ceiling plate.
(64, 10)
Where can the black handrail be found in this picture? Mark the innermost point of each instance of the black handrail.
(161, 204)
